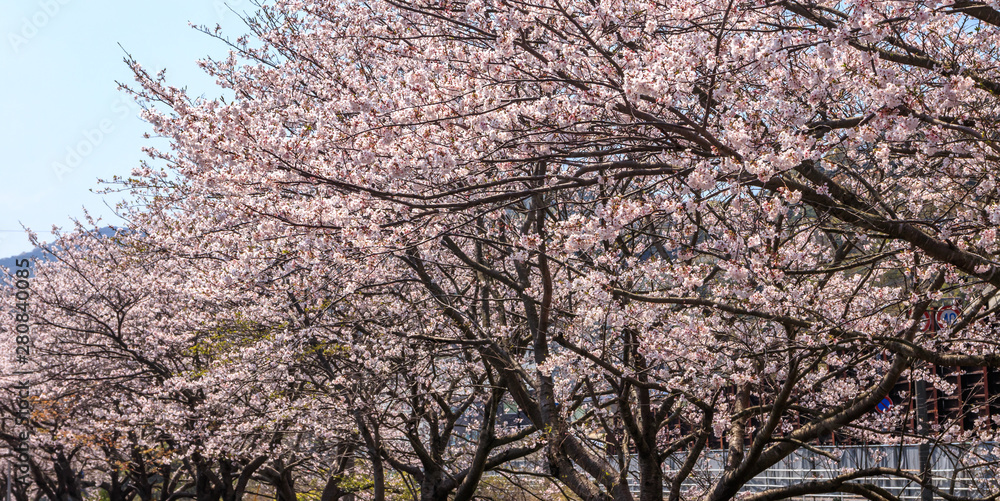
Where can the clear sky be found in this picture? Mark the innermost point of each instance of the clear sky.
(63, 123)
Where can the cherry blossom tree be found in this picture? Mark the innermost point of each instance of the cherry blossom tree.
(172, 384)
(661, 227)
(421, 410)
(123, 351)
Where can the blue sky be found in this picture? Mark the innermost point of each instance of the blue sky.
(64, 124)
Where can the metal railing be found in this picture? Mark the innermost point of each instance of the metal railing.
(960, 470)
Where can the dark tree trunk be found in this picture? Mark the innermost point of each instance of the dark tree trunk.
(114, 487)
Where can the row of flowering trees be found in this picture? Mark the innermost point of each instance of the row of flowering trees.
(646, 230)
(154, 380)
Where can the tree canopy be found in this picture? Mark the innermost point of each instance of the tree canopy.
(648, 231)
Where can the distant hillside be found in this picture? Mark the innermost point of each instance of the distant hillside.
(9, 262)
